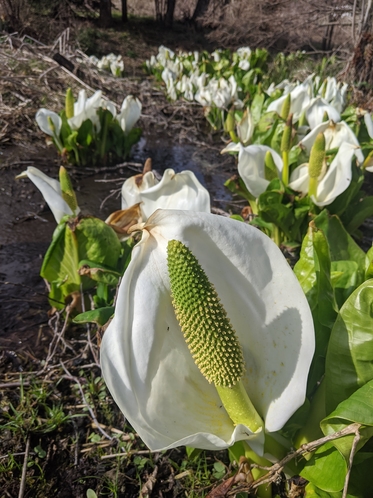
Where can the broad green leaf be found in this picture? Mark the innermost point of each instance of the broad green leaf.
(357, 408)
(60, 263)
(85, 133)
(99, 273)
(360, 484)
(313, 272)
(97, 242)
(131, 139)
(265, 128)
(326, 469)
(369, 264)
(313, 491)
(349, 362)
(346, 277)
(257, 107)
(356, 213)
(100, 316)
(342, 248)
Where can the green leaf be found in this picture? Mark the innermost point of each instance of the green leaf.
(236, 185)
(257, 107)
(100, 316)
(236, 451)
(313, 272)
(85, 133)
(99, 273)
(349, 362)
(342, 248)
(97, 242)
(360, 484)
(356, 213)
(60, 264)
(326, 469)
(357, 408)
(265, 128)
(131, 139)
(192, 453)
(313, 491)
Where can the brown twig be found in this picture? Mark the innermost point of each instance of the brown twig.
(278, 467)
(89, 408)
(22, 486)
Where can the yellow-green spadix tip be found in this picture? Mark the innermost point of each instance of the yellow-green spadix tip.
(206, 327)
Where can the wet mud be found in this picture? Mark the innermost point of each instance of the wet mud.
(28, 224)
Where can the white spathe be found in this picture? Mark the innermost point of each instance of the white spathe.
(251, 165)
(174, 191)
(86, 108)
(51, 191)
(43, 118)
(335, 135)
(146, 362)
(129, 114)
(299, 100)
(333, 182)
(317, 109)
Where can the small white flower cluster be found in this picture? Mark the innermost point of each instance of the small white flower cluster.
(110, 62)
(185, 75)
(313, 97)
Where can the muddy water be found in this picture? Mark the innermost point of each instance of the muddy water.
(27, 223)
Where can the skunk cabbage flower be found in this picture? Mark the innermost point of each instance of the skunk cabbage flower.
(299, 100)
(332, 181)
(335, 135)
(85, 109)
(317, 109)
(145, 359)
(52, 193)
(174, 191)
(129, 114)
(49, 122)
(252, 166)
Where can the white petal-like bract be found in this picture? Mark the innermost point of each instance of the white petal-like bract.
(144, 357)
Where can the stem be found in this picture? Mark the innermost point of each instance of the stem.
(285, 169)
(239, 406)
(367, 160)
(58, 142)
(104, 135)
(277, 235)
(265, 490)
(253, 205)
(234, 137)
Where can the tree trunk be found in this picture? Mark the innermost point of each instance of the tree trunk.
(105, 13)
(201, 8)
(124, 11)
(170, 12)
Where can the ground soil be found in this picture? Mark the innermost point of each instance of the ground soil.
(177, 139)
(173, 139)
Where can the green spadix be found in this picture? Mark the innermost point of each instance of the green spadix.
(209, 334)
(67, 190)
(316, 163)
